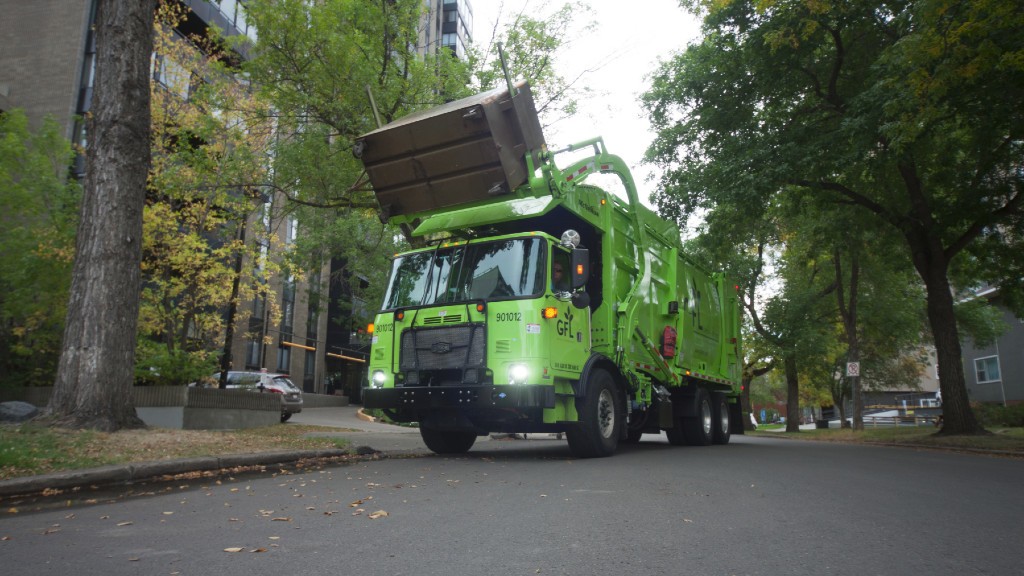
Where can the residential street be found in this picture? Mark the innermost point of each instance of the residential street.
(756, 506)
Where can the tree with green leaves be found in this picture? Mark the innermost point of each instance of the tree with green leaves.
(909, 112)
(40, 205)
(531, 43)
(329, 70)
(211, 139)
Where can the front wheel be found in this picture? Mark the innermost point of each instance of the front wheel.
(285, 416)
(600, 412)
(447, 441)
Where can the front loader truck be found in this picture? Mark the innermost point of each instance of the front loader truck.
(538, 303)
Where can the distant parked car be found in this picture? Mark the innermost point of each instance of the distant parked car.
(291, 395)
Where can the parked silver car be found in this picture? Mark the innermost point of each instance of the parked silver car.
(291, 395)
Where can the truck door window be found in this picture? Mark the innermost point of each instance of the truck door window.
(560, 270)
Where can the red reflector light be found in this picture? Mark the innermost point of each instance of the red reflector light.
(480, 307)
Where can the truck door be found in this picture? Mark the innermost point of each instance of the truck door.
(568, 332)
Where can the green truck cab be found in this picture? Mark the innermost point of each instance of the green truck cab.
(539, 303)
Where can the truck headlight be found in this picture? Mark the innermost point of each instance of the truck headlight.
(377, 379)
(518, 374)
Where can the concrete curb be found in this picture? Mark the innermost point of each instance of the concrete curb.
(126, 474)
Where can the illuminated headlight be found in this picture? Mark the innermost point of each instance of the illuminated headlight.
(377, 380)
(518, 373)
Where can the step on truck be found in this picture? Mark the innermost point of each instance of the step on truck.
(538, 303)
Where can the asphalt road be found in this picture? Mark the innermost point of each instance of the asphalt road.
(757, 506)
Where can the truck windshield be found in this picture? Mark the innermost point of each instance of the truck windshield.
(486, 271)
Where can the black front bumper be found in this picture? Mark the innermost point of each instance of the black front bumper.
(427, 397)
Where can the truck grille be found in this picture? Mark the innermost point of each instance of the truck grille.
(460, 348)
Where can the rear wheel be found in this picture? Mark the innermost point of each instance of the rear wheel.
(447, 441)
(722, 422)
(285, 416)
(698, 429)
(600, 426)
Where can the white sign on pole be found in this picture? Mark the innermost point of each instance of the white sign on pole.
(853, 368)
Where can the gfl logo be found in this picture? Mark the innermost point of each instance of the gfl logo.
(564, 324)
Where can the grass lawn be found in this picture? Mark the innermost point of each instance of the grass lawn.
(1002, 439)
(33, 448)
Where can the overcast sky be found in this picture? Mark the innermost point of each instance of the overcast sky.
(629, 40)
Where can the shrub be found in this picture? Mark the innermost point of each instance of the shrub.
(995, 415)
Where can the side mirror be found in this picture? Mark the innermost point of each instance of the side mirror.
(580, 267)
(580, 300)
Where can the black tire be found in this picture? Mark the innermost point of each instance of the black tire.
(722, 419)
(447, 441)
(285, 416)
(601, 419)
(698, 429)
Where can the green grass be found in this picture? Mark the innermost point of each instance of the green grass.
(35, 448)
(1001, 439)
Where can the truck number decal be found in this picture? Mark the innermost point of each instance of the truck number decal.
(509, 316)
(383, 328)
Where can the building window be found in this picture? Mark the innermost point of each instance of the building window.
(288, 305)
(252, 354)
(284, 359)
(987, 369)
(291, 230)
(309, 370)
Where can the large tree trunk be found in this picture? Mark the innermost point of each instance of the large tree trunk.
(96, 370)
(958, 418)
(931, 263)
(792, 393)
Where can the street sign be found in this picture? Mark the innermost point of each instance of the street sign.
(853, 368)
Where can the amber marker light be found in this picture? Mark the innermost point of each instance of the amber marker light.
(480, 307)
(400, 315)
(369, 328)
(549, 312)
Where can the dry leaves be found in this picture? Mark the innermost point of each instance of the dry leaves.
(378, 514)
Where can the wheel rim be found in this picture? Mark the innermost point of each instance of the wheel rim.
(705, 416)
(606, 413)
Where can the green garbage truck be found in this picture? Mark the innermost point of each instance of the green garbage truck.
(536, 302)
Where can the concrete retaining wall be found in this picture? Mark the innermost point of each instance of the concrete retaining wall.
(182, 407)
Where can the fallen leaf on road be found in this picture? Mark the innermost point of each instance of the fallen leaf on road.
(125, 523)
(275, 537)
(12, 510)
(258, 550)
(378, 514)
(233, 549)
(281, 519)
(168, 513)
